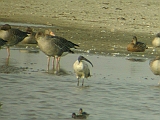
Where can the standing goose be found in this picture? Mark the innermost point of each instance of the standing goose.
(54, 46)
(136, 46)
(50, 32)
(11, 35)
(81, 69)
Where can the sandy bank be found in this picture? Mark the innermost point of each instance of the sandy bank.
(88, 22)
(126, 15)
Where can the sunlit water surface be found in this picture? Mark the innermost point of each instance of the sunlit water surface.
(119, 89)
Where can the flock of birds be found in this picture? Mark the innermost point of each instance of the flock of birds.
(50, 44)
(136, 46)
(56, 47)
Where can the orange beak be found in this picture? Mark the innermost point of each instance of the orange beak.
(52, 34)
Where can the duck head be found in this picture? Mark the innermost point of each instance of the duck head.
(134, 40)
(80, 111)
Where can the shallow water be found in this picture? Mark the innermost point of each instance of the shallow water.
(24, 24)
(121, 88)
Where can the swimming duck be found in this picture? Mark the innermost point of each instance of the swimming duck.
(78, 116)
(11, 35)
(136, 46)
(82, 113)
(156, 41)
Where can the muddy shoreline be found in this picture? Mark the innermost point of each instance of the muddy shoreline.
(98, 27)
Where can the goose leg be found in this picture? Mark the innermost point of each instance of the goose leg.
(48, 61)
(82, 82)
(53, 62)
(78, 82)
(8, 51)
(7, 60)
(58, 64)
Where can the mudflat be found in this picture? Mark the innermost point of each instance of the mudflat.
(100, 25)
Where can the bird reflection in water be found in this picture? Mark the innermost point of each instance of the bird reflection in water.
(155, 66)
(7, 60)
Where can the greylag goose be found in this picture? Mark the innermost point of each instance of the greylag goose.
(12, 36)
(54, 46)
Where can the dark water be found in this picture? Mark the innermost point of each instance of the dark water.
(121, 88)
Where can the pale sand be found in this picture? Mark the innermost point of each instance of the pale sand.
(124, 15)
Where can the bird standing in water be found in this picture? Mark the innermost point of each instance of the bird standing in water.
(50, 32)
(54, 46)
(136, 46)
(81, 69)
(12, 36)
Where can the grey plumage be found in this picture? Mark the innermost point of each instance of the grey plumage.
(2, 42)
(11, 35)
(54, 46)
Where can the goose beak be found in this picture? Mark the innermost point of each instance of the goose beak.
(52, 34)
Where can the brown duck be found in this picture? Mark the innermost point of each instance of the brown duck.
(136, 46)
